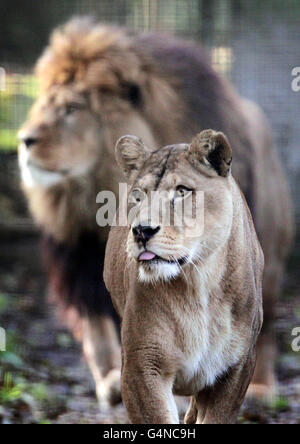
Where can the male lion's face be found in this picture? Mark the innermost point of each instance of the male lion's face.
(60, 140)
(181, 203)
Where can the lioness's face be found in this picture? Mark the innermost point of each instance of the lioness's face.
(182, 211)
(60, 140)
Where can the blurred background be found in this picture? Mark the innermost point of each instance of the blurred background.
(253, 43)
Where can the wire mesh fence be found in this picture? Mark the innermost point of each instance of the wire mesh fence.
(253, 43)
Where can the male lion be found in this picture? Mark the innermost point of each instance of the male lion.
(190, 299)
(98, 83)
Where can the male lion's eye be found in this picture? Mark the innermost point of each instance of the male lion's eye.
(182, 191)
(72, 107)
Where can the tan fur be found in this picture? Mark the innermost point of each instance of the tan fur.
(89, 65)
(94, 67)
(193, 333)
(101, 350)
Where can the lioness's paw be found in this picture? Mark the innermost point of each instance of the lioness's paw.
(192, 413)
(182, 404)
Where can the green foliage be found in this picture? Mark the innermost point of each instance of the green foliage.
(64, 340)
(21, 387)
(4, 301)
(15, 102)
(45, 421)
(18, 393)
(8, 140)
(39, 391)
(9, 391)
(280, 404)
(12, 359)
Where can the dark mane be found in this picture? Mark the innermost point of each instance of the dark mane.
(76, 275)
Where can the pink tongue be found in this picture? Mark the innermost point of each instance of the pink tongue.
(147, 256)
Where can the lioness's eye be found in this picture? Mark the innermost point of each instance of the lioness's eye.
(182, 191)
(137, 196)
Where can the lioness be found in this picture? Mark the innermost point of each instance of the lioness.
(190, 300)
(98, 83)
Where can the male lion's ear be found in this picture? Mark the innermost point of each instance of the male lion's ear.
(131, 153)
(211, 148)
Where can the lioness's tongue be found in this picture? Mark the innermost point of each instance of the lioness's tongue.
(147, 256)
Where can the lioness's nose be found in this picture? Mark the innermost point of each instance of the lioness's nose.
(143, 233)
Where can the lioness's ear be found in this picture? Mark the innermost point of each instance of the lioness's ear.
(131, 153)
(211, 148)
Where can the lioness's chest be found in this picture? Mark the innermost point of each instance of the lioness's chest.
(210, 346)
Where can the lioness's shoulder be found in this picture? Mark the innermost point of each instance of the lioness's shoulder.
(115, 263)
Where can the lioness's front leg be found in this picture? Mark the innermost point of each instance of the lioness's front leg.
(221, 403)
(147, 389)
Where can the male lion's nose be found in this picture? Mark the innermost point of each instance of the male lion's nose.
(143, 233)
